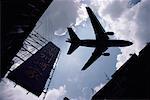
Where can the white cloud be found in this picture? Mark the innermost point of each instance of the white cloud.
(128, 24)
(8, 92)
(115, 8)
(79, 98)
(56, 94)
(142, 20)
(82, 15)
(60, 15)
(97, 88)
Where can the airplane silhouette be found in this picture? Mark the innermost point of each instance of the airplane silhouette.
(101, 43)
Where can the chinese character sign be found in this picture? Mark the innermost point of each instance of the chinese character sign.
(34, 72)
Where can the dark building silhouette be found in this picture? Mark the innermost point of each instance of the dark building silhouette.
(131, 81)
(18, 18)
(33, 73)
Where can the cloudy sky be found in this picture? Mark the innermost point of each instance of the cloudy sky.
(128, 19)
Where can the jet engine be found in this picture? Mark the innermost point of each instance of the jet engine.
(110, 33)
(106, 54)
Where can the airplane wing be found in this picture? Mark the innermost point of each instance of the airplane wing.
(98, 29)
(96, 54)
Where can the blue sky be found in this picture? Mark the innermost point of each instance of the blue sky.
(128, 22)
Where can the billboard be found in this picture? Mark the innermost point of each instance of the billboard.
(34, 72)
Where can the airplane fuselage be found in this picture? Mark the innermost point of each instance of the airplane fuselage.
(103, 43)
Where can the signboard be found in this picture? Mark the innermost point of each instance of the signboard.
(34, 72)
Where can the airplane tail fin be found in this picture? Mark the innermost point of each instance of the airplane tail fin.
(73, 37)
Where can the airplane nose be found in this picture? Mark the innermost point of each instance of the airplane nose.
(130, 43)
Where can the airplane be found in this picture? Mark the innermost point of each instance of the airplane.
(101, 43)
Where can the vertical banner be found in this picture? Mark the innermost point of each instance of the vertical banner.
(34, 72)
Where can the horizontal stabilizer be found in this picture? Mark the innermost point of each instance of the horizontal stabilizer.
(72, 48)
(73, 38)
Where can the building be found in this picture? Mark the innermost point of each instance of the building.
(18, 18)
(33, 73)
(131, 81)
